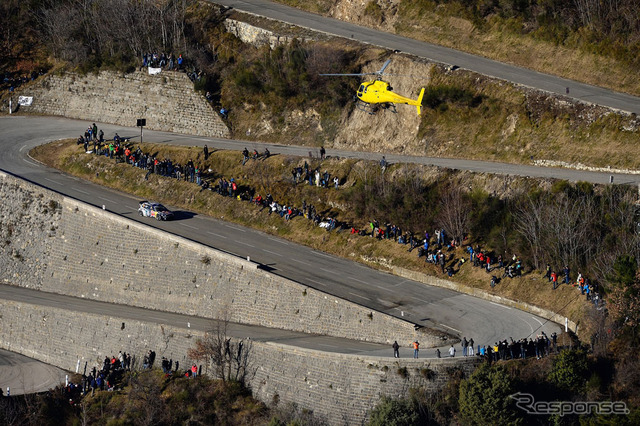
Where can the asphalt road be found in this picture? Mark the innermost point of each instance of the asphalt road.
(522, 76)
(24, 375)
(433, 307)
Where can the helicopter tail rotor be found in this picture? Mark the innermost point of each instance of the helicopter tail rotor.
(419, 102)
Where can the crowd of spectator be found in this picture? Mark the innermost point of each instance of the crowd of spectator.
(524, 348)
(437, 248)
(13, 80)
(166, 61)
(108, 375)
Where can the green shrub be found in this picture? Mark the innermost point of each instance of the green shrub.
(569, 372)
(394, 412)
(484, 398)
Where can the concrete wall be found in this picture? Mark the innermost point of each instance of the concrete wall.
(339, 388)
(64, 246)
(167, 101)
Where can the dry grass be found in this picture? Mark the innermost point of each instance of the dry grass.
(516, 125)
(272, 175)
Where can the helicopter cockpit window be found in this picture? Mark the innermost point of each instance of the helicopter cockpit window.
(362, 88)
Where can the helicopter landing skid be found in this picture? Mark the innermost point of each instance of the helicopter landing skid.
(372, 109)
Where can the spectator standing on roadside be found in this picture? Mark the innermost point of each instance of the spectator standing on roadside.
(548, 272)
(206, 152)
(396, 347)
(452, 351)
(416, 348)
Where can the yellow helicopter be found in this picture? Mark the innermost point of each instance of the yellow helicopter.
(376, 94)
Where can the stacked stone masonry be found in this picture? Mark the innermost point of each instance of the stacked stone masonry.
(102, 256)
(256, 36)
(339, 388)
(166, 100)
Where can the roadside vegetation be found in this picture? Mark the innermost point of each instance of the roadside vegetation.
(150, 397)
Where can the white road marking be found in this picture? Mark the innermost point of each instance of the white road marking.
(317, 282)
(531, 327)
(361, 297)
(360, 281)
(30, 162)
(246, 244)
(539, 322)
(451, 328)
(237, 229)
(188, 226)
(319, 253)
(381, 288)
(22, 147)
(81, 191)
(272, 252)
(278, 241)
(331, 271)
(106, 199)
(217, 235)
(300, 261)
(325, 345)
(50, 180)
(502, 306)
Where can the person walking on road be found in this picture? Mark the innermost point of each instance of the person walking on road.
(452, 351)
(396, 347)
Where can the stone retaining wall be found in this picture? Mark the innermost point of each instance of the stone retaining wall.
(256, 36)
(339, 388)
(167, 101)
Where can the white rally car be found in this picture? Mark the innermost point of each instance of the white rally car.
(157, 210)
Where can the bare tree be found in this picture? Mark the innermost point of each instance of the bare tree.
(228, 356)
(558, 228)
(455, 208)
(528, 221)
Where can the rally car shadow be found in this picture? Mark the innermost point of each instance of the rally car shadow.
(182, 215)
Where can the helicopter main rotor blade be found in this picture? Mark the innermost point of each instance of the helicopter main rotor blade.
(384, 67)
(366, 73)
